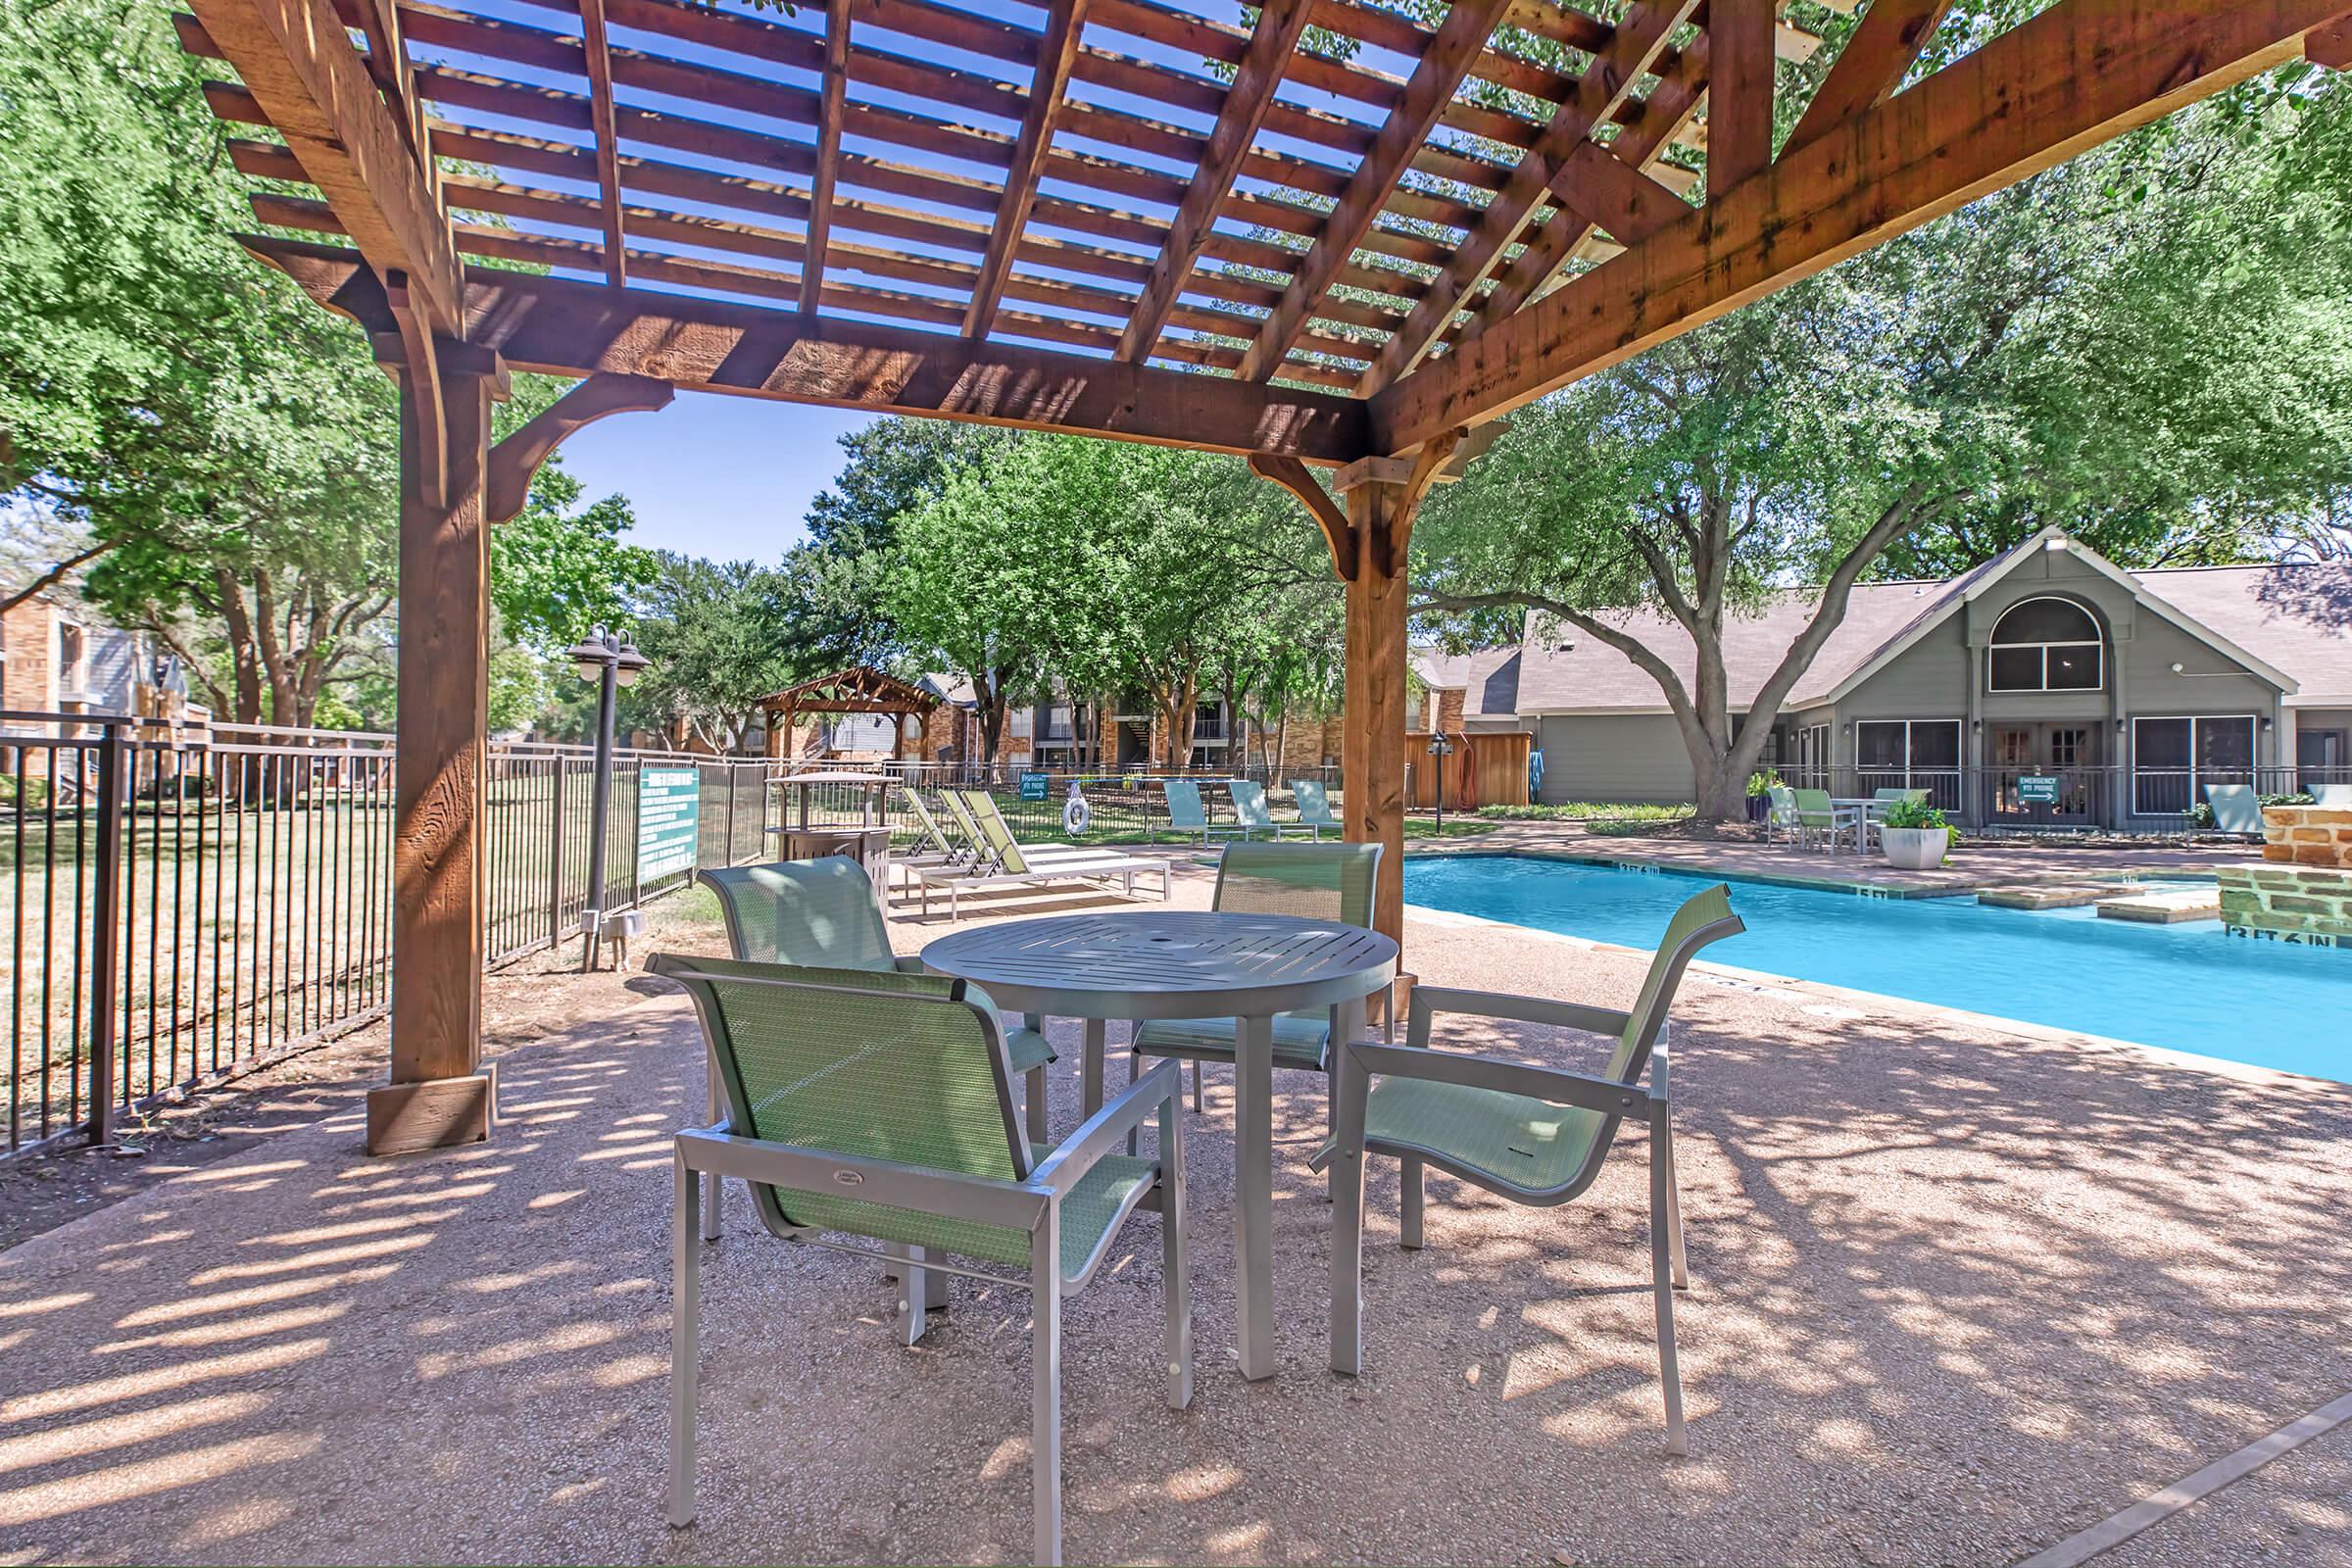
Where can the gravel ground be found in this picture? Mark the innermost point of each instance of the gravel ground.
(1960, 1292)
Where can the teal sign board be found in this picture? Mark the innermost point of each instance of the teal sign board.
(1035, 786)
(2035, 791)
(670, 804)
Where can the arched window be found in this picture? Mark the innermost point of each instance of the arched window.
(2045, 644)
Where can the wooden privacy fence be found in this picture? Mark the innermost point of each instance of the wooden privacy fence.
(1484, 769)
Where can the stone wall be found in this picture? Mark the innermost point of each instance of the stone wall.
(2307, 835)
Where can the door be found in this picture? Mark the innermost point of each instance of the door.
(2046, 775)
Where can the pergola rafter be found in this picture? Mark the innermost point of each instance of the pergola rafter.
(1137, 220)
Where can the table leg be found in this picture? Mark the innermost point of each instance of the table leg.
(1254, 1194)
(1097, 1031)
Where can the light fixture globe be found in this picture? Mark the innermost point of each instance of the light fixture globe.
(627, 663)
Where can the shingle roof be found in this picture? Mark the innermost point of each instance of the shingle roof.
(2298, 618)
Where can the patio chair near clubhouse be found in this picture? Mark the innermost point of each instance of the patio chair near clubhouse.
(2335, 797)
(1314, 805)
(896, 1088)
(1781, 817)
(1885, 798)
(2236, 808)
(822, 914)
(1188, 818)
(1250, 811)
(1317, 881)
(1822, 821)
(1533, 1135)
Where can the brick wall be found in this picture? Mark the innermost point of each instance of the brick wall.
(2302, 891)
(2307, 835)
(24, 631)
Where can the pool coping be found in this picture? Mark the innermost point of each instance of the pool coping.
(1767, 980)
(1813, 883)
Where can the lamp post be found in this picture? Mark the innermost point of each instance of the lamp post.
(613, 662)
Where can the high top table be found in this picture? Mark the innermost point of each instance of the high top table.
(1142, 965)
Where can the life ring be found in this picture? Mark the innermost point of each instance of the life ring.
(1075, 812)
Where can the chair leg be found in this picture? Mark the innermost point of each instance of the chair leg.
(1037, 1104)
(1409, 1203)
(1195, 1086)
(921, 1292)
(685, 1340)
(710, 1178)
(1045, 1353)
(1347, 1237)
(1661, 1273)
(1175, 1263)
(1674, 1217)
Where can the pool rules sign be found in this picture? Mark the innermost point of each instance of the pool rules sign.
(669, 803)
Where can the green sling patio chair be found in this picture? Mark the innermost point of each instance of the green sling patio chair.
(876, 1107)
(2236, 808)
(1823, 820)
(1188, 818)
(2335, 797)
(1317, 881)
(821, 914)
(1534, 1135)
(1781, 816)
(1314, 805)
(1250, 808)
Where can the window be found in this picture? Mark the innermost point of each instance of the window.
(2044, 645)
(1909, 754)
(2172, 759)
(1812, 756)
(2323, 757)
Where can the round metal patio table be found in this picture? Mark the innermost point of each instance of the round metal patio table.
(1142, 965)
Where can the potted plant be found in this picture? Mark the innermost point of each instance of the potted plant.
(1759, 786)
(1913, 836)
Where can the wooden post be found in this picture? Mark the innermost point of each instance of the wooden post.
(439, 1094)
(1372, 746)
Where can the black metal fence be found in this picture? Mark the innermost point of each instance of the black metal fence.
(1122, 807)
(182, 902)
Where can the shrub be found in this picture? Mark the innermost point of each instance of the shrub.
(1762, 782)
(1588, 811)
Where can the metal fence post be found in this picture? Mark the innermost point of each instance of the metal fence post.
(555, 862)
(105, 934)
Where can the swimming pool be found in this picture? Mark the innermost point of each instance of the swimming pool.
(2186, 987)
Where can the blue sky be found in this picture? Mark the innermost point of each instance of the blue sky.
(727, 477)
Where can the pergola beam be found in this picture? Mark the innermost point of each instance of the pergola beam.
(1453, 50)
(825, 179)
(608, 137)
(555, 327)
(2074, 76)
(1239, 118)
(300, 64)
(1631, 51)
(1870, 65)
(1740, 92)
(1065, 24)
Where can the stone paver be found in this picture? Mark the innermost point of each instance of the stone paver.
(1960, 1293)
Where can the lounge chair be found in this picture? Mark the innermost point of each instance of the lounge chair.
(2236, 808)
(1819, 819)
(1012, 867)
(1319, 881)
(1187, 816)
(1534, 1135)
(1314, 805)
(821, 914)
(995, 832)
(2335, 797)
(932, 845)
(897, 1089)
(1250, 808)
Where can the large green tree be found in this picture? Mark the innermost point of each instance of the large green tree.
(2150, 345)
(719, 635)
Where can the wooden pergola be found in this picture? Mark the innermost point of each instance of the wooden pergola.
(1131, 220)
(859, 689)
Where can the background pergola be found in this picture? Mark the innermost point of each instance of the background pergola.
(859, 689)
(1129, 219)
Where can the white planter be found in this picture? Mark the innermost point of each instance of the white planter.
(1915, 848)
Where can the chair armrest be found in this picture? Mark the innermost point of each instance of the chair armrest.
(1604, 1095)
(910, 963)
(921, 1187)
(1523, 1009)
(1105, 1131)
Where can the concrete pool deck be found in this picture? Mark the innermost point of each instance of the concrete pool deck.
(1976, 865)
(1961, 1293)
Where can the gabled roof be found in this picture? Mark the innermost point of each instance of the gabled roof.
(2289, 625)
(858, 689)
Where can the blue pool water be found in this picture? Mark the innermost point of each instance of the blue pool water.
(2187, 987)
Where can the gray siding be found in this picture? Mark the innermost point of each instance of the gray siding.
(1635, 757)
